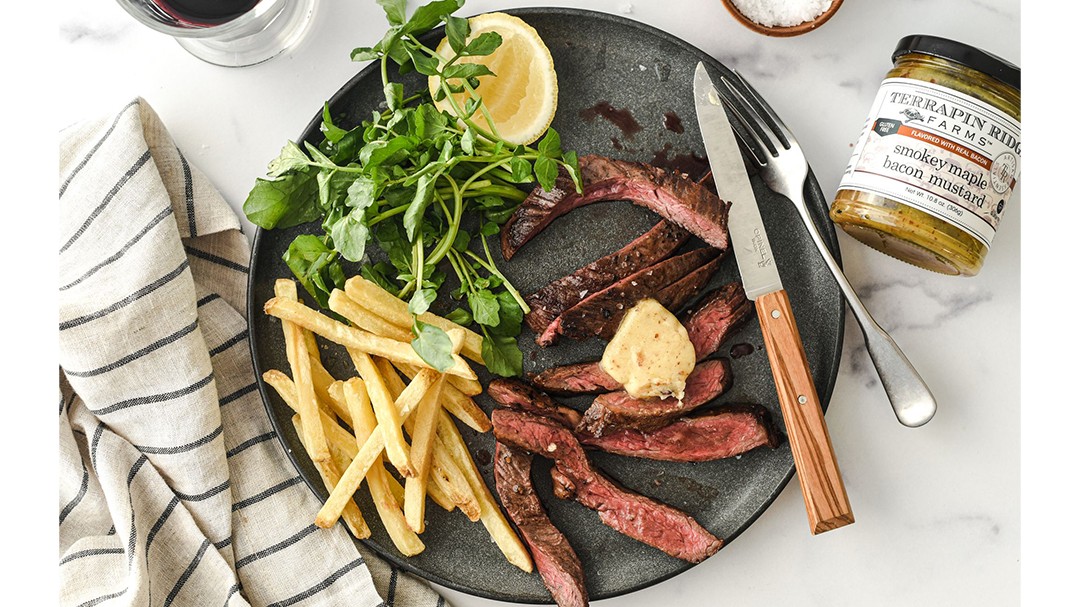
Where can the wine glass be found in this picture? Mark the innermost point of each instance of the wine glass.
(230, 33)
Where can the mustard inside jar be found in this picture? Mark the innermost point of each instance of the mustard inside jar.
(938, 159)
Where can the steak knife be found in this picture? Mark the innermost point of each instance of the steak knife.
(823, 490)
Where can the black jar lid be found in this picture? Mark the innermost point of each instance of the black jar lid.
(966, 55)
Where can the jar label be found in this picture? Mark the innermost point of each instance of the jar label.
(943, 152)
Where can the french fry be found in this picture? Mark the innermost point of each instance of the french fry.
(296, 350)
(445, 473)
(468, 387)
(330, 474)
(457, 403)
(423, 442)
(498, 527)
(365, 319)
(375, 298)
(350, 480)
(439, 477)
(390, 513)
(397, 450)
(354, 338)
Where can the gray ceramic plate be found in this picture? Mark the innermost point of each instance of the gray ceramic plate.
(599, 58)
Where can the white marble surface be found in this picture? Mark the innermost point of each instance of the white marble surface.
(937, 508)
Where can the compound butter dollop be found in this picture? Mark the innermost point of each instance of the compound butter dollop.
(651, 354)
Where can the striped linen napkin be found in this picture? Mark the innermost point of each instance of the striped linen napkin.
(173, 487)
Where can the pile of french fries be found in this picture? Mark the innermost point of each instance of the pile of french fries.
(351, 428)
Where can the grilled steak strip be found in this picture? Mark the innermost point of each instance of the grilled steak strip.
(673, 195)
(620, 410)
(716, 317)
(725, 432)
(708, 325)
(519, 395)
(599, 314)
(631, 514)
(555, 559)
(706, 436)
(563, 293)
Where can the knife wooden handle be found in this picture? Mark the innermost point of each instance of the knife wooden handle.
(823, 490)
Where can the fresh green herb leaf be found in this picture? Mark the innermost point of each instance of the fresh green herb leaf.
(332, 133)
(468, 141)
(510, 316)
(393, 93)
(429, 15)
(466, 70)
(551, 144)
(489, 229)
(483, 45)
(361, 193)
(364, 53)
(378, 274)
(501, 355)
(546, 172)
(457, 30)
(433, 346)
(415, 213)
(520, 171)
(485, 306)
(350, 235)
(291, 158)
(460, 316)
(395, 10)
(283, 202)
(312, 262)
(421, 301)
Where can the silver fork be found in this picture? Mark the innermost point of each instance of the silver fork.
(783, 167)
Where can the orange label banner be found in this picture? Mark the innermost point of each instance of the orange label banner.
(946, 144)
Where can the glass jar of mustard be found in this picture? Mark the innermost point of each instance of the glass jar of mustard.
(938, 159)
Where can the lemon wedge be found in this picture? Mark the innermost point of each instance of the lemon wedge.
(522, 96)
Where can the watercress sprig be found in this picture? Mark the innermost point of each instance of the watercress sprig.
(408, 178)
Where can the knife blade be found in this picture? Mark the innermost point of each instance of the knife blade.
(824, 495)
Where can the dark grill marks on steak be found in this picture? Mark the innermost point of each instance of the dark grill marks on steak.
(599, 314)
(632, 514)
(676, 295)
(519, 395)
(716, 317)
(555, 559)
(706, 436)
(620, 410)
(673, 195)
(708, 325)
(563, 293)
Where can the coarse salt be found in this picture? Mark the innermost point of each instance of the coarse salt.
(781, 13)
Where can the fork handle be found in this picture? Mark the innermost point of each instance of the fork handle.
(823, 490)
(910, 397)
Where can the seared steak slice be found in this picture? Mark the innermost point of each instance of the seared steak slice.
(519, 395)
(632, 514)
(709, 324)
(599, 314)
(673, 195)
(674, 296)
(562, 294)
(555, 559)
(620, 410)
(702, 437)
(578, 378)
(716, 317)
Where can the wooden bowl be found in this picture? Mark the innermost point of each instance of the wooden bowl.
(781, 32)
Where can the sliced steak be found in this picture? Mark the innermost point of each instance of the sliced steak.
(716, 317)
(709, 325)
(620, 410)
(519, 395)
(562, 294)
(676, 295)
(632, 514)
(673, 195)
(599, 314)
(555, 559)
(705, 436)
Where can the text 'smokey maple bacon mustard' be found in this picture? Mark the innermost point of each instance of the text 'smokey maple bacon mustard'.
(938, 159)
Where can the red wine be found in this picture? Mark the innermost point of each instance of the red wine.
(205, 12)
